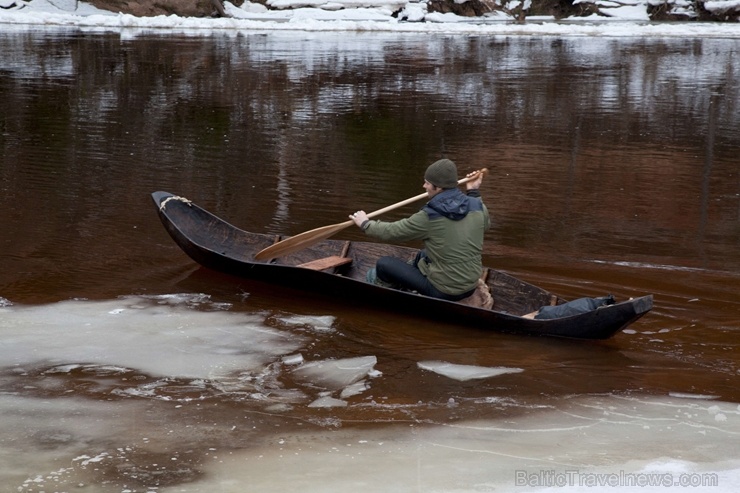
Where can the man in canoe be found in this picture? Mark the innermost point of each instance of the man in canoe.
(451, 225)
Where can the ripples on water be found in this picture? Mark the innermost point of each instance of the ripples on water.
(613, 169)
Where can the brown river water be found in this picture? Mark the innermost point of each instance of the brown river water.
(125, 367)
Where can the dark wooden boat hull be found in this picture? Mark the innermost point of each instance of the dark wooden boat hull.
(217, 245)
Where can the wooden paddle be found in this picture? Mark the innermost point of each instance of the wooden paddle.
(308, 238)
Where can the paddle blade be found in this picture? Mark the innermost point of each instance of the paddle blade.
(300, 241)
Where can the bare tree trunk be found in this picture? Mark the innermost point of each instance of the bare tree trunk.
(219, 7)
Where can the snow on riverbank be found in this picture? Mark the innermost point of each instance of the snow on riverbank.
(629, 19)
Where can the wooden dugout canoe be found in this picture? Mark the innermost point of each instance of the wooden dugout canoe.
(338, 268)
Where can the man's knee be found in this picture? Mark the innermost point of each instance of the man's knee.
(384, 268)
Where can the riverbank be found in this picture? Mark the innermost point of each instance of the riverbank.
(727, 11)
(254, 17)
(671, 10)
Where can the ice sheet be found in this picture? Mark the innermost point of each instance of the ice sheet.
(101, 433)
(183, 335)
(598, 443)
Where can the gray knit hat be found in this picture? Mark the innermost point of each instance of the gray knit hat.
(442, 174)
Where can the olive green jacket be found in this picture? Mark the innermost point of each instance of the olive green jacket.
(452, 226)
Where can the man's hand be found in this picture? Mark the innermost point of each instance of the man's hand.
(475, 183)
(359, 217)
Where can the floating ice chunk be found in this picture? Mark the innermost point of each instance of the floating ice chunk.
(354, 389)
(293, 359)
(683, 395)
(279, 408)
(176, 299)
(328, 402)
(318, 323)
(62, 369)
(95, 370)
(465, 372)
(85, 460)
(337, 374)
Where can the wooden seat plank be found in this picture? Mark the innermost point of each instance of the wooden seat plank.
(326, 263)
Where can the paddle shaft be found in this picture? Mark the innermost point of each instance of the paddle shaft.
(308, 238)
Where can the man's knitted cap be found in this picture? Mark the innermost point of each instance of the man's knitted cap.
(442, 174)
